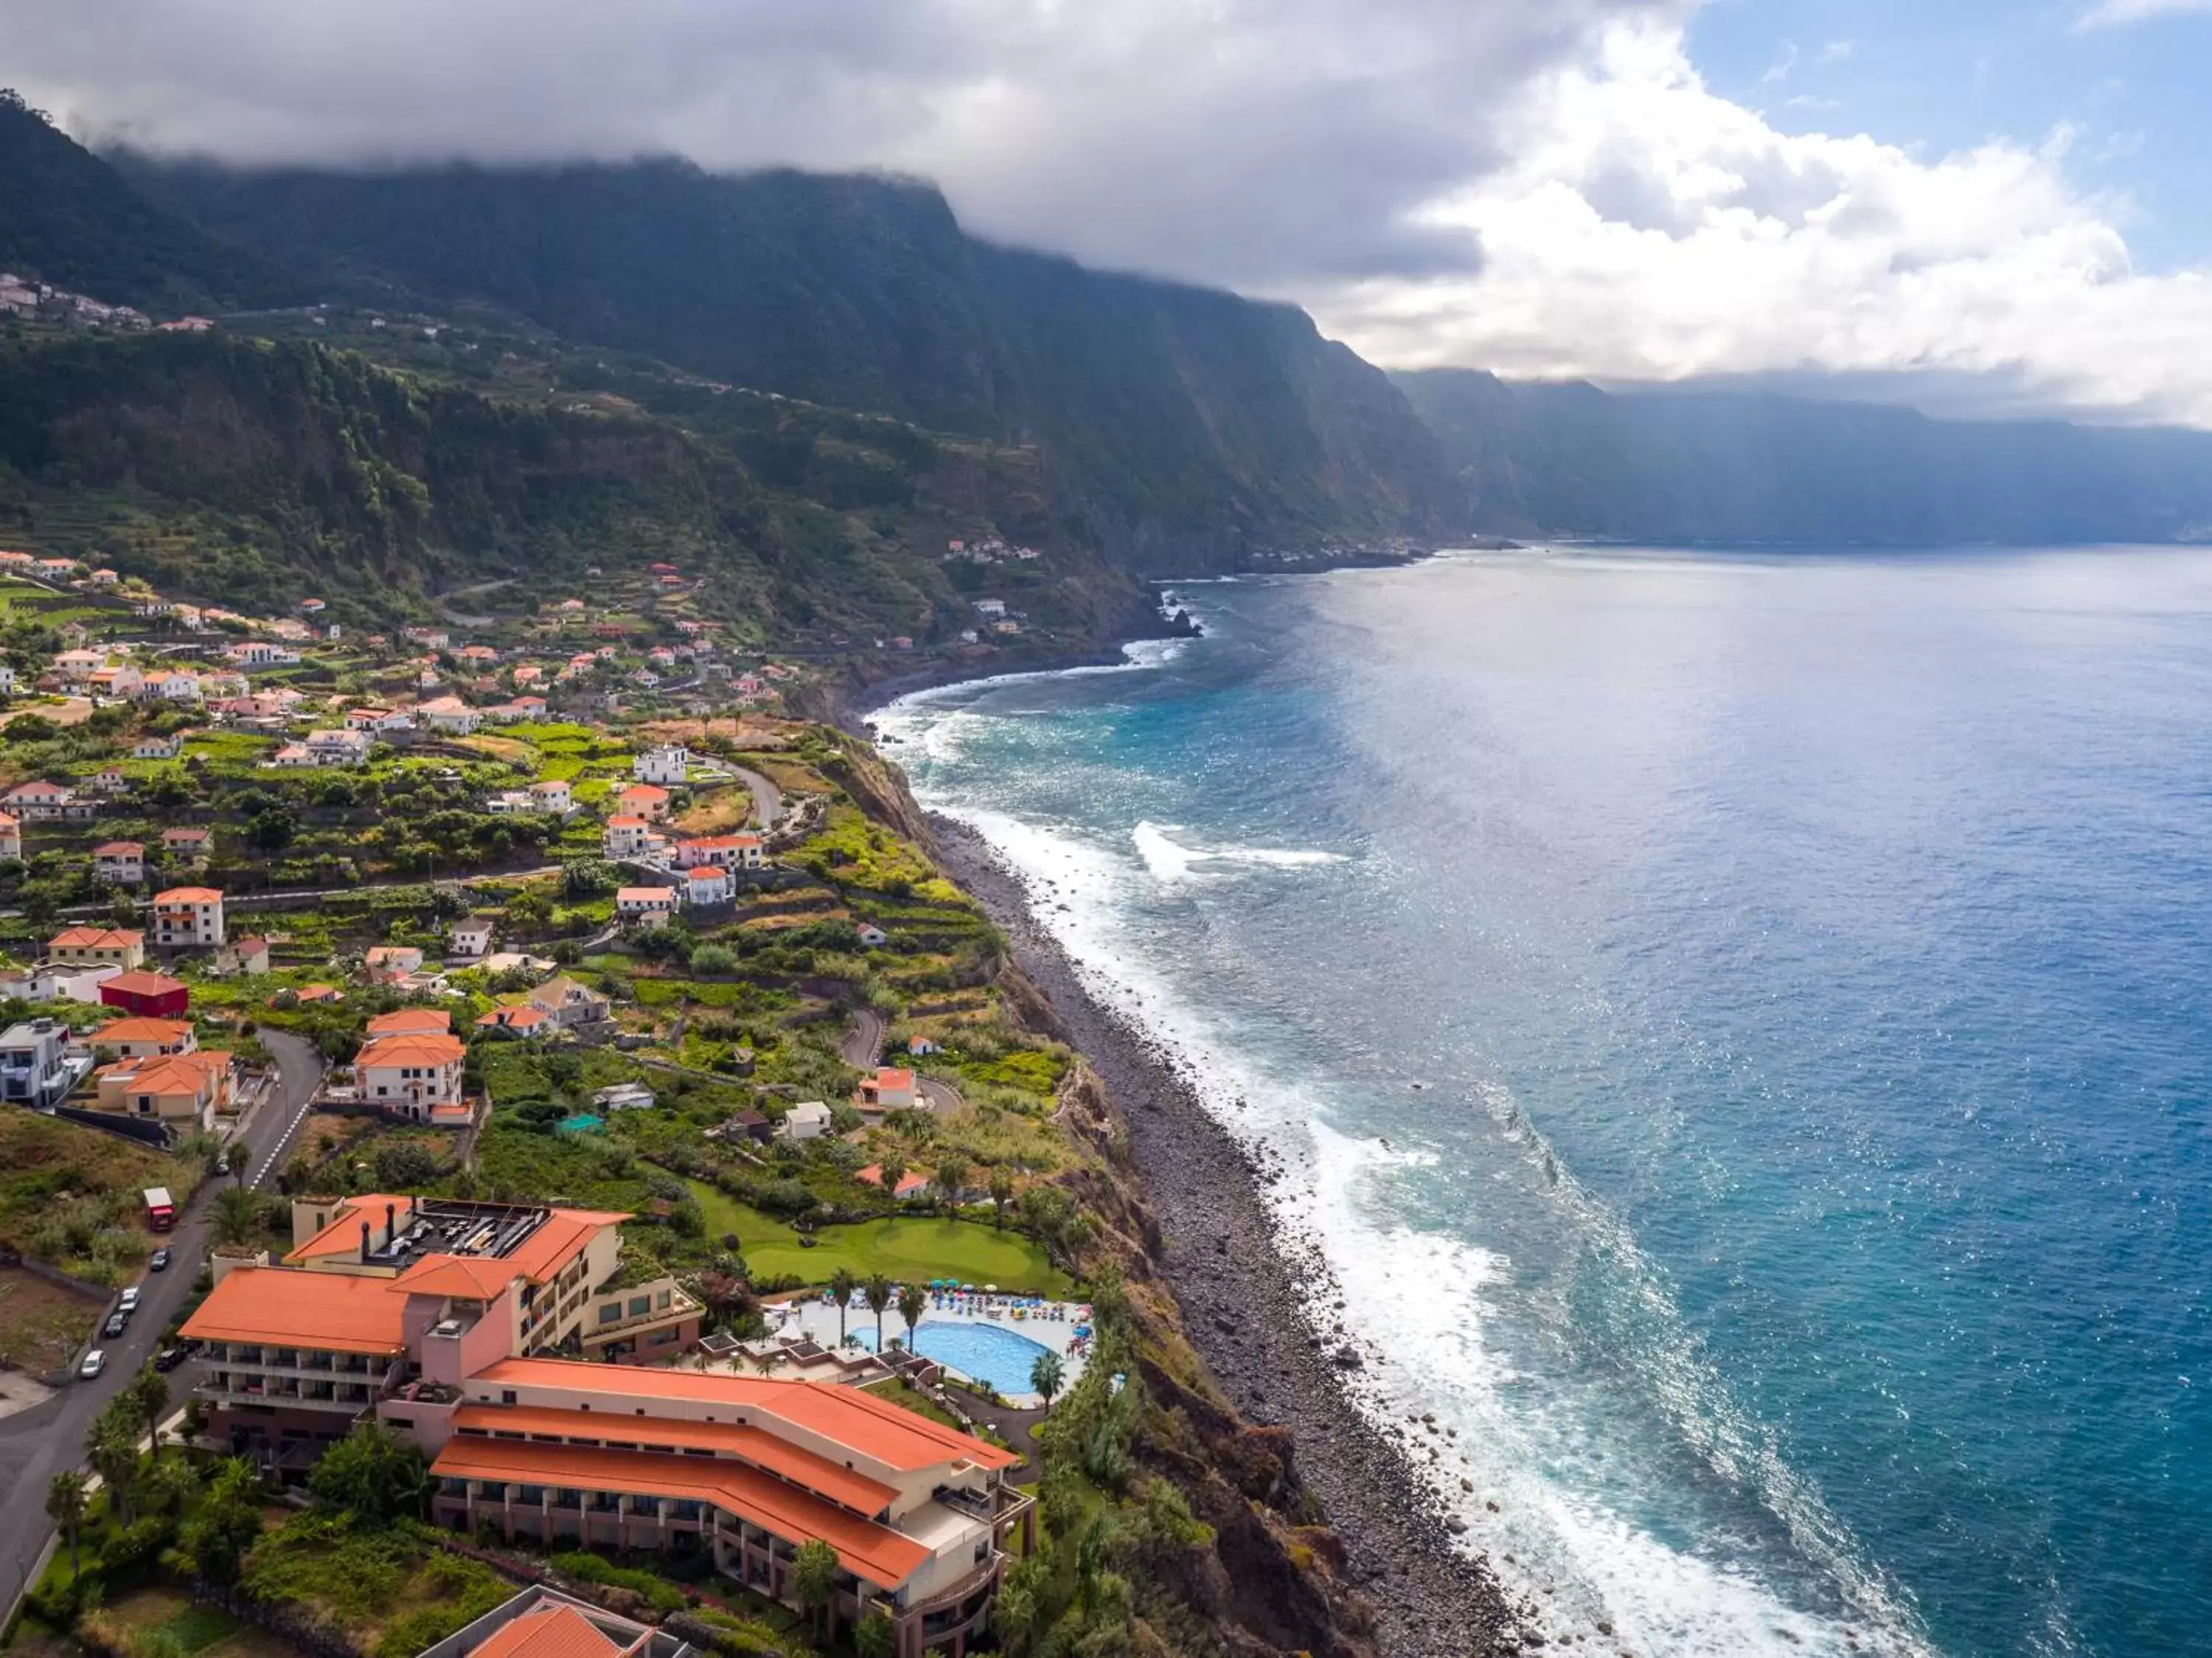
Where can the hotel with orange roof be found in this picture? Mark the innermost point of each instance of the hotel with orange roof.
(470, 1327)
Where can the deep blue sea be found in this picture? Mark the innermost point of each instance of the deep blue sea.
(1742, 1029)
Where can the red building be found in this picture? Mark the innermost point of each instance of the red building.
(150, 996)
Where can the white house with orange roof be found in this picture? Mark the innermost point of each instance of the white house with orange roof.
(708, 884)
(517, 1019)
(188, 1088)
(890, 1088)
(388, 964)
(188, 918)
(720, 852)
(628, 836)
(12, 836)
(133, 1038)
(449, 714)
(120, 862)
(99, 947)
(414, 1076)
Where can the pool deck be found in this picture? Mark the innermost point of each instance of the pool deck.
(816, 1317)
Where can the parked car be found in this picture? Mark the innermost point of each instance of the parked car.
(95, 1362)
(170, 1357)
(113, 1327)
(158, 1261)
(127, 1302)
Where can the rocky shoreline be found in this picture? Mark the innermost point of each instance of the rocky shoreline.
(1245, 1293)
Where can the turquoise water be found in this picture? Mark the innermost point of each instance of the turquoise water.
(983, 1352)
(1739, 1028)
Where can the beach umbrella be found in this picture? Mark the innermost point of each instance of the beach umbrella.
(990, 1288)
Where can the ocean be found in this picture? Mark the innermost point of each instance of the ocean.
(1738, 1028)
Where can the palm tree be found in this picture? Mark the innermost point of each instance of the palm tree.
(237, 1215)
(65, 1505)
(1002, 1193)
(878, 1294)
(912, 1302)
(149, 1392)
(890, 1172)
(842, 1283)
(951, 1176)
(1047, 1376)
(814, 1571)
(241, 1156)
(113, 1453)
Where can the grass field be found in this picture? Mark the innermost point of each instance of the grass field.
(169, 1622)
(70, 1195)
(908, 1251)
(41, 1323)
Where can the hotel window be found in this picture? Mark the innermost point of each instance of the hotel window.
(610, 1312)
(639, 1306)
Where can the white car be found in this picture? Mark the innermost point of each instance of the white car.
(95, 1362)
(127, 1302)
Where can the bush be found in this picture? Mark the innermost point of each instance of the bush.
(593, 1569)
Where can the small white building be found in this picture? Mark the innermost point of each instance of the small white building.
(120, 862)
(870, 935)
(450, 714)
(472, 937)
(334, 747)
(661, 765)
(807, 1120)
(159, 748)
(708, 884)
(553, 796)
(627, 837)
(645, 906)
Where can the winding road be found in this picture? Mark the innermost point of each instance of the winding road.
(36, 1443)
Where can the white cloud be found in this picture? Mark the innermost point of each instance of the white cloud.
(1237, 140)
(1647, 229)
(2112, 14)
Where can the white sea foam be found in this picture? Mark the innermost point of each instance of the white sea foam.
(1421, 1304)
(1172, 854)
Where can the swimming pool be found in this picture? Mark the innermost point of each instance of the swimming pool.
(989, 1353)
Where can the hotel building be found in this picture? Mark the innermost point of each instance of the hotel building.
(470, 1327)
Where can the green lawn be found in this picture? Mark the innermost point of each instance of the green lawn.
(909, 1251)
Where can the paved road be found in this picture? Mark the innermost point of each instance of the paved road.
(35, 1443)
(767, 799)
(863, 1046)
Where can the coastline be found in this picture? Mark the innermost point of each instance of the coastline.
(1247, 1298)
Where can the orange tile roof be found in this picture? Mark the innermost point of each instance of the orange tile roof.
(549, 1632)
(412, 1021)
(106, 938)
(118, 849)
(898, 1439)
(891, 1077)
(866, 1549)
(643, 792)
(521, 1017)
(189, 895)
(645, 895)
(411, 1048)
(144, 983)
(466, 1277)
(143, 1030)
(343, 1235)
(625, 823)
(326, 1311)
(757, 1446)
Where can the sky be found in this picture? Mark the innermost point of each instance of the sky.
(1987, 206)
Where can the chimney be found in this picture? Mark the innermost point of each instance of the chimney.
(391, 1232)
(364, 1243)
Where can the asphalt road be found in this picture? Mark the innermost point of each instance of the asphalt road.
(36, 1443)
(767, 799)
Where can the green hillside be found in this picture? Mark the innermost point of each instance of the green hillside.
(258, 472)
(1179, 426)
(69, 219)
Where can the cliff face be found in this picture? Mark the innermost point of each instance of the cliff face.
(1570, 459)
(1179, 426)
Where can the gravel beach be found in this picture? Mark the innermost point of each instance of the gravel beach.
(1245, 1293)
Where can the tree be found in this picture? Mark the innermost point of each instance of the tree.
(372, 1474)
(890, 1171)
(113, 1452)
(149, 1392)
(814, 1574)
(842, 1283)
(65, 1505)
(171, 1484)
(713, 960)
(241, 1158)
(237, 1215)
(228, 1523)
(876, 1292)
(1002, 1193)
(952, 1178)
(1047, 1376)
(875, 1636)
(912, 1302)
(271, 829)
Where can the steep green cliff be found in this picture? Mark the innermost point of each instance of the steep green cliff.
(1181, 426)
(1570, 459)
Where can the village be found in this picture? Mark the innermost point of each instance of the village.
(398, 1027)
